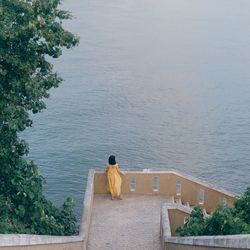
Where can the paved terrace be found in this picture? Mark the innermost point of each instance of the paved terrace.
(131, 223)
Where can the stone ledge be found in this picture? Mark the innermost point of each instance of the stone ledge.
(176, 172)
(229, 241)
(31, 239)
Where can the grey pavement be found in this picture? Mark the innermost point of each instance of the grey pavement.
(129, 224)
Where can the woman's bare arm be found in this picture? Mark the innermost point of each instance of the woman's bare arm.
(107, 168)
(119, 171)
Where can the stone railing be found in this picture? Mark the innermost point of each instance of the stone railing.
(44, 242)
(182, 187)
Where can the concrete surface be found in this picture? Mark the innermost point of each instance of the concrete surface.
(129, 224)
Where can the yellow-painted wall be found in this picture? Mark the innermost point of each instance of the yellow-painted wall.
(176, 219)
(144, 183)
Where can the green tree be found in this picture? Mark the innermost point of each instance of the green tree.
(242, 207)
(194, 225)
(224, 221)
(30, 32)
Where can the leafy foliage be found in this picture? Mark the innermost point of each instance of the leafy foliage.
(242, 207)
(223, 221)
(194, 224)
(30, 31)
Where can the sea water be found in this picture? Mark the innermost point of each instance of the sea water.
(160, 84)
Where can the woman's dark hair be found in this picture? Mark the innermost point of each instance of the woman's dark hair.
(112, 160)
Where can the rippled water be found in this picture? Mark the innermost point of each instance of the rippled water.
(161, 84)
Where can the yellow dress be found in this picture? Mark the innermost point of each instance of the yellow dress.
(114, 180)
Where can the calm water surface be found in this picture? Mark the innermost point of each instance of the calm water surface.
(161, 84)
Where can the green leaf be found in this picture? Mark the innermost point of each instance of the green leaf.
(30, 33)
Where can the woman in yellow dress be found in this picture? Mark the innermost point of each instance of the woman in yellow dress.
(114, 178)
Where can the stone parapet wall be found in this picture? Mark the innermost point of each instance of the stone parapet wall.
(170, 246)
(53, 246)
(167, 180)
(9, 240)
